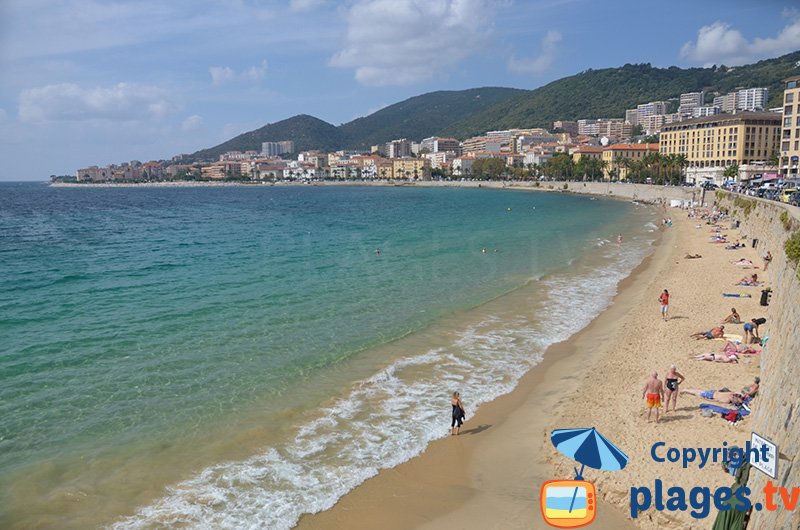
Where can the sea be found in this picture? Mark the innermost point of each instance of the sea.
(236, 357)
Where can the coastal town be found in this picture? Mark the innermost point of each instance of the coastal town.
(697, 138)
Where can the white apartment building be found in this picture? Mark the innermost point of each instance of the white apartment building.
(726, 103)
(752, 99)
(651, 109)
(277, 148)
(708, 110)
(690, 101)
(398, 148)
(435, 144)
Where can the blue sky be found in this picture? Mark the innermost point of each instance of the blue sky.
(96, 81)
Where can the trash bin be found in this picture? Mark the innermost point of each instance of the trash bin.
(765, 296)
(755, 242)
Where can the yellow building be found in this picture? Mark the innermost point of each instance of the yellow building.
(586, 151)
(617, 155)
(713, 143)
(411, 168)
(213, 171)
(790, 138)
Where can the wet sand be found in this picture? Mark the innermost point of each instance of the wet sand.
(490, 476)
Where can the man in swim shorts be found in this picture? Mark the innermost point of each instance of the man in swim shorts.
(714, 333)
(653, 394)
(728, 398)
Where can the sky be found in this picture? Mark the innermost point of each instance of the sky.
(94, 82)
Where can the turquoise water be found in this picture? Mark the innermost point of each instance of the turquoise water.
(137, 316)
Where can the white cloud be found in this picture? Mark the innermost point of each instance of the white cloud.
(192, 123)
(224, 74)
(221, 75)
(304, 5)
(719, 43)
(541, 63)
(70, 102)
(400, 42)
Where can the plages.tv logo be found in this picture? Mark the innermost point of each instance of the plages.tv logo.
(573, 503)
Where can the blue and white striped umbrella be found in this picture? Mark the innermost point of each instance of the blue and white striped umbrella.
(590, 448)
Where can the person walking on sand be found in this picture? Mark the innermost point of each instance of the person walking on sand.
(767, 259)
(672, 381)
(458, 413)
(664, 301)
(653, 394)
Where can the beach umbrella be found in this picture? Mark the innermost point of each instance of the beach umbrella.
(590, 448)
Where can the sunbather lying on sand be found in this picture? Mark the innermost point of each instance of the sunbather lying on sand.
(732, 398)
(735, 246)
(723, 357)
(743, 263)
(692, 256)
(713, 333)
(750, 390)
(732, 347)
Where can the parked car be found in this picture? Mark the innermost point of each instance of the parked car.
(787, 193)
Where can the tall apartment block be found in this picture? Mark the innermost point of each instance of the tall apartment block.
(690, 101)
(277, 148)
(790, 132)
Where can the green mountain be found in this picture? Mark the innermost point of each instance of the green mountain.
(605, 93)
(422, 116)
(306, 131)
(414, 118)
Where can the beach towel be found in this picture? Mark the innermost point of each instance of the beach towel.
(723, 410)
(731, 337)
(737, 295)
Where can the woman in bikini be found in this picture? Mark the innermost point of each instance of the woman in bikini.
(672, 381)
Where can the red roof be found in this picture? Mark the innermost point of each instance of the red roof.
(634, 147)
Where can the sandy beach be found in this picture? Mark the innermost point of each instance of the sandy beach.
(490, 476)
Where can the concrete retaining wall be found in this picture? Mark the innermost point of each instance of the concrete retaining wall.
(776, 411)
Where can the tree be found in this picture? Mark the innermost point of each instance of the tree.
(490, 168)
(561, 166)
(731, 172)
(637, 130)
(774, 158)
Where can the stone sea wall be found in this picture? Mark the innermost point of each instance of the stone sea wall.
(776, 411)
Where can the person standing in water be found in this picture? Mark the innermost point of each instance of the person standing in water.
(458, 413)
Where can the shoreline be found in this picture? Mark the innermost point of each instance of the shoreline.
(490, 475)
(648, 193)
